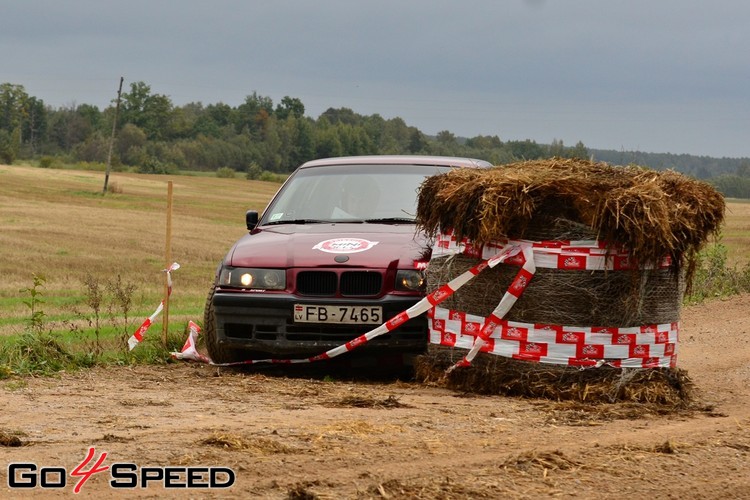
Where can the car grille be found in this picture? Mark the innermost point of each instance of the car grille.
(316, 283)
(347, 284)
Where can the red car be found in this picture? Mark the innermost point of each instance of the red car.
(334, 255)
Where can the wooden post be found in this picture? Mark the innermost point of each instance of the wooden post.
(168, 259)
(112, 138)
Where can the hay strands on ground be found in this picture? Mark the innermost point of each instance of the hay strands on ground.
(495, 375)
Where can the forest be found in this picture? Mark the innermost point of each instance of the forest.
(260, 138)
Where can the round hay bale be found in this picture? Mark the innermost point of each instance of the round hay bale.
(560, 297)
(652, 214)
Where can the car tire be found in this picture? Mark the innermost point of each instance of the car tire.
(218, 353)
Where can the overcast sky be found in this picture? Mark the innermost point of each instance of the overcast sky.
(649, 75)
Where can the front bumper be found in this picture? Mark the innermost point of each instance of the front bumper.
(263, 325)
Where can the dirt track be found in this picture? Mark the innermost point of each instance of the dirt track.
(317, 438)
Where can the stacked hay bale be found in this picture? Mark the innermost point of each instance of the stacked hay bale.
(659, 220)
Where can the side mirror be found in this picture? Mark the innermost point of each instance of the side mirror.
(251, 219)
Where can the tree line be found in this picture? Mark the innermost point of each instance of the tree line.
(155, 135)
(258, 135)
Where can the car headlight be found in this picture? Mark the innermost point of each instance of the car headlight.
(260, 279)
(410, 280)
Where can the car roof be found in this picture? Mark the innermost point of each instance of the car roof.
(448, 161)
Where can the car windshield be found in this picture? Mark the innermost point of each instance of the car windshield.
(353, 193)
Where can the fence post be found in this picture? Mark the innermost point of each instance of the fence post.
(168, 260)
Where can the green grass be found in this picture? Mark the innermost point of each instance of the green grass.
(97, 338)
(716, 277)
(45, 353)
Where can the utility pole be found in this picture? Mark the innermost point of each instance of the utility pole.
(112, 139)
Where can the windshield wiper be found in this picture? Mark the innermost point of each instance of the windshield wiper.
(391, 220)
(297, 221)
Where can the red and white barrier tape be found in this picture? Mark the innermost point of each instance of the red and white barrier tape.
(137, 337)
(519, 284)
(420, 307)
(588, 255)
(189, 351)
(571, 347)
(647, 346)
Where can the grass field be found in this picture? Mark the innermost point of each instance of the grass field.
(57, 224)
(736, 231)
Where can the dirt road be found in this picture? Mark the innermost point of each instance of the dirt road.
(327, 438)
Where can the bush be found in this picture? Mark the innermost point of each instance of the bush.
(152, 165)
(271, 177)
(254, 171)
(713, 277)
(46, 161)
(225, 173)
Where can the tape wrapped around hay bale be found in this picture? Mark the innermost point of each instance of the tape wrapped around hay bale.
(652, 214)
(565, 297)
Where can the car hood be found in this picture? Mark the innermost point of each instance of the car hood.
(325, 245)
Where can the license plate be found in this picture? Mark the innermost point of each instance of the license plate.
(362, 315)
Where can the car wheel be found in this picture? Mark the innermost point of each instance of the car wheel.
(217, 352)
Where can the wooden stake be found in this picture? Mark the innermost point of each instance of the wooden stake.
(168, 259)
(112, 139)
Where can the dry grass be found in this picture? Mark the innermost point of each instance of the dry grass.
(736, 232)
(252, 444)
(491, 374)
(651, 213)
(367, 402)
(355, 427)
(57, 223)
(546, 461)
(10, 439)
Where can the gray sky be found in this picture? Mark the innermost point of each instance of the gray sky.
(649, 75)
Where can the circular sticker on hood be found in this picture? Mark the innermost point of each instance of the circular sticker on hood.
(345, 245)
